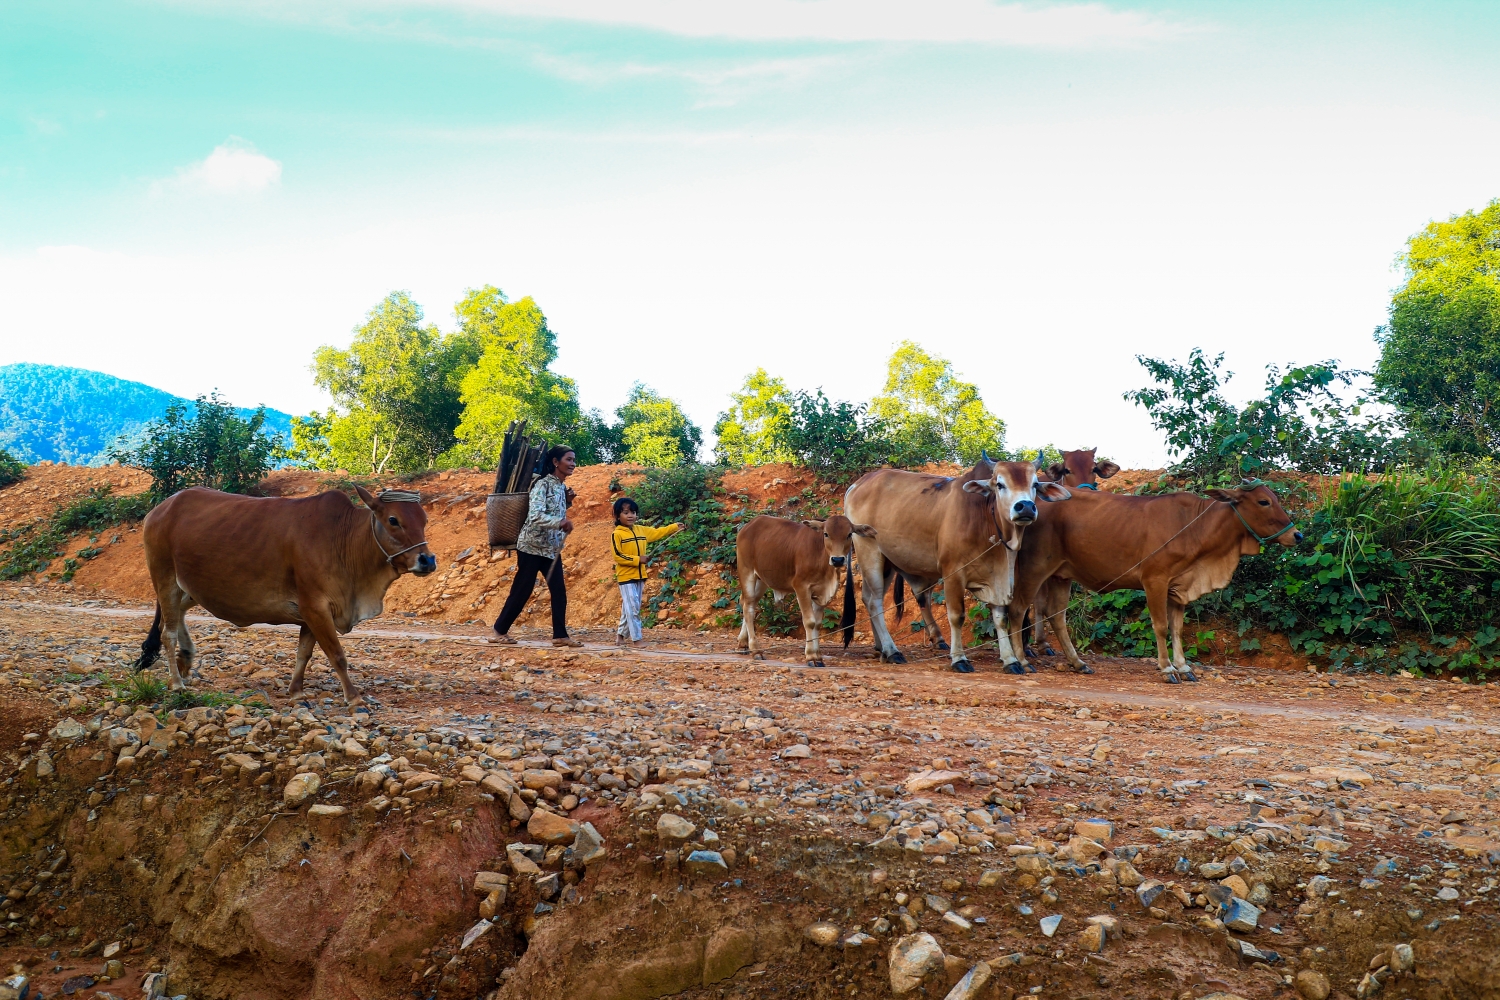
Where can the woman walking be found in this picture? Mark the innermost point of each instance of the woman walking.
(539, 549)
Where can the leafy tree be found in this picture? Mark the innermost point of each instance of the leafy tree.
(653, 430)
(1301, 423)
(398, 385)
(310, 447)
(209, 446)
(932, 414)
(513, 381)
(11, 468)
(752, 430)
(833, 435)
(1440, 350)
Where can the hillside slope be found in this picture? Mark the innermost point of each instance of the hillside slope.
(73, 415)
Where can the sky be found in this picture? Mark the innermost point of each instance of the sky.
(197, 195)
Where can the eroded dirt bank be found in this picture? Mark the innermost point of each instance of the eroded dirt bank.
(1256, 835)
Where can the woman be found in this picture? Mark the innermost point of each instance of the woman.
(539, 549)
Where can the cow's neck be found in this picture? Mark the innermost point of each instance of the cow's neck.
(371, 572)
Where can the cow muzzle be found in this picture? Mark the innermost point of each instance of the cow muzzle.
(1023, 512)
(426, 563)
(835, 560)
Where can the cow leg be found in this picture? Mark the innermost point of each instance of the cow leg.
(174, 603)
(810, 616)
(1052, 600)
(750, 591)
(929, 623)
(305, 647)
(1157, 603)
(323, 630)
(953, 600)
(1009, 622)
(872, 575)
(1177, 612)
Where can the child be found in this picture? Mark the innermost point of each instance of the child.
(630, 541)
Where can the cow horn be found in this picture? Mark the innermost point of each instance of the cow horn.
(1041, 460)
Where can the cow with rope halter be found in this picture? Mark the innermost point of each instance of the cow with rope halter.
(959, 533)
(803, 558)
(1174, 546)
(318, 562)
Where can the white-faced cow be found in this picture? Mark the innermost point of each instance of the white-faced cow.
(319, 562)
(959, 533)
(1176, 547)
(803, 558)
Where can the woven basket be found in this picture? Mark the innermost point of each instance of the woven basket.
(506, 512)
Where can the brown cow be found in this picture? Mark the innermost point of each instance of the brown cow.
(1078, 470)
(803, 558)
(1176, 547)
(961, 533)
(319, 562)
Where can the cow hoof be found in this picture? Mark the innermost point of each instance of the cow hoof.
(1170, 678)
(963, 667)
(1029, 668)
(1048, 651)
(1028, 651)
(1083, 668)
(1014, 667)
(816, 663)
(894, 657)
(757, 656)
(1187, 675)
(942, 646)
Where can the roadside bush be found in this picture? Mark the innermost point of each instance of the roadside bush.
(833, 436)
(210, 446)
(32, 547)
(11, 468)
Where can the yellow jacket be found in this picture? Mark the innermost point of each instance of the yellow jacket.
(630, 548)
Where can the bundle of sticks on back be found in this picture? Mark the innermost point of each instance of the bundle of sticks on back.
(518, 460)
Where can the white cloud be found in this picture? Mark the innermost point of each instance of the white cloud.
(234, 167)
(981, 21)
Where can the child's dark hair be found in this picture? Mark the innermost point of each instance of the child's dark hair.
(625, 503)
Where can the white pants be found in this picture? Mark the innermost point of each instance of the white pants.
(630, 609)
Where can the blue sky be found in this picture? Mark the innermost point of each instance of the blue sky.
(197, 195)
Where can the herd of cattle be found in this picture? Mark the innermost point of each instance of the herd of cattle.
(984, 533)
(324, 564)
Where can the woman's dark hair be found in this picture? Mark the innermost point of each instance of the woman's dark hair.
(553, 456)
(625, 503)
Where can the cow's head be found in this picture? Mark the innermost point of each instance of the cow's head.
(400, 526)
(1261, 514)
(1014, 489)
(838, 537)
(1079, 469)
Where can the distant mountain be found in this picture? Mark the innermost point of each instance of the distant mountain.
(74, 415)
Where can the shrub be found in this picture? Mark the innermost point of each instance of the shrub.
(11, 468)
(833, 436)
(211, 446)
(34, 546)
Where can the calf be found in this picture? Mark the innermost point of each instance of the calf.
(802, 558)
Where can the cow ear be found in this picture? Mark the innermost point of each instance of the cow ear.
(814, 525)
(977, 486)
(1225, 496)
(866, 530)
(1104, 470)
(1052, 492)
(1057, 470)
(364, 495)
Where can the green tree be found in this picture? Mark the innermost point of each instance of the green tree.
(654, 432)
(398, 386)
(209, 445)
(513, 381)
(309, 447)
(1440, 350)
(751, 431)
(931, 414)
(832, 435)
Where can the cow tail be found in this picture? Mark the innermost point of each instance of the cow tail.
(900, 596)
(151, 648)
(846, 621)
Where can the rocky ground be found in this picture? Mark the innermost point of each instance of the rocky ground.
(678, 821)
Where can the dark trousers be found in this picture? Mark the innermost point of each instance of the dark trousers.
(528, 567)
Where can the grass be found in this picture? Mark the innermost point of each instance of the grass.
(140, 689)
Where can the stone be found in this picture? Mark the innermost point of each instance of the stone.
(113, 969)
(538, 779)
(518, 809)
(1402, 958)
(355, 750)
(673, 831)
(924, 781)
(1091, 938)
(326, 819)
(301, 788)
(112, 949)
(990, 878)
(1338, 774)
(476, 932)
(1240, 915)
(588, 846)
(913, 958)
(1082, 849)
(67, 729)
(1213, 869)
(1324, 844)
(1101, 830)
(488, 882)
(1447, 894)
(550, 828)
(710, 863)
(472, 772)
(799, 751)
(1312, 985)
(496, 785)
(1050, 924)
(520, 863)
(154, 986)
(1148, 890)
(12, 987)
(1127, 876)
(956, 922)
(823, 934)
(971, 986)
(1237, 885)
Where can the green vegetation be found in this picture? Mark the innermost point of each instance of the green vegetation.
(11, 468)
(32, 547)
(141, 688)
(209, 445)
(753, 431)
(930, 414)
